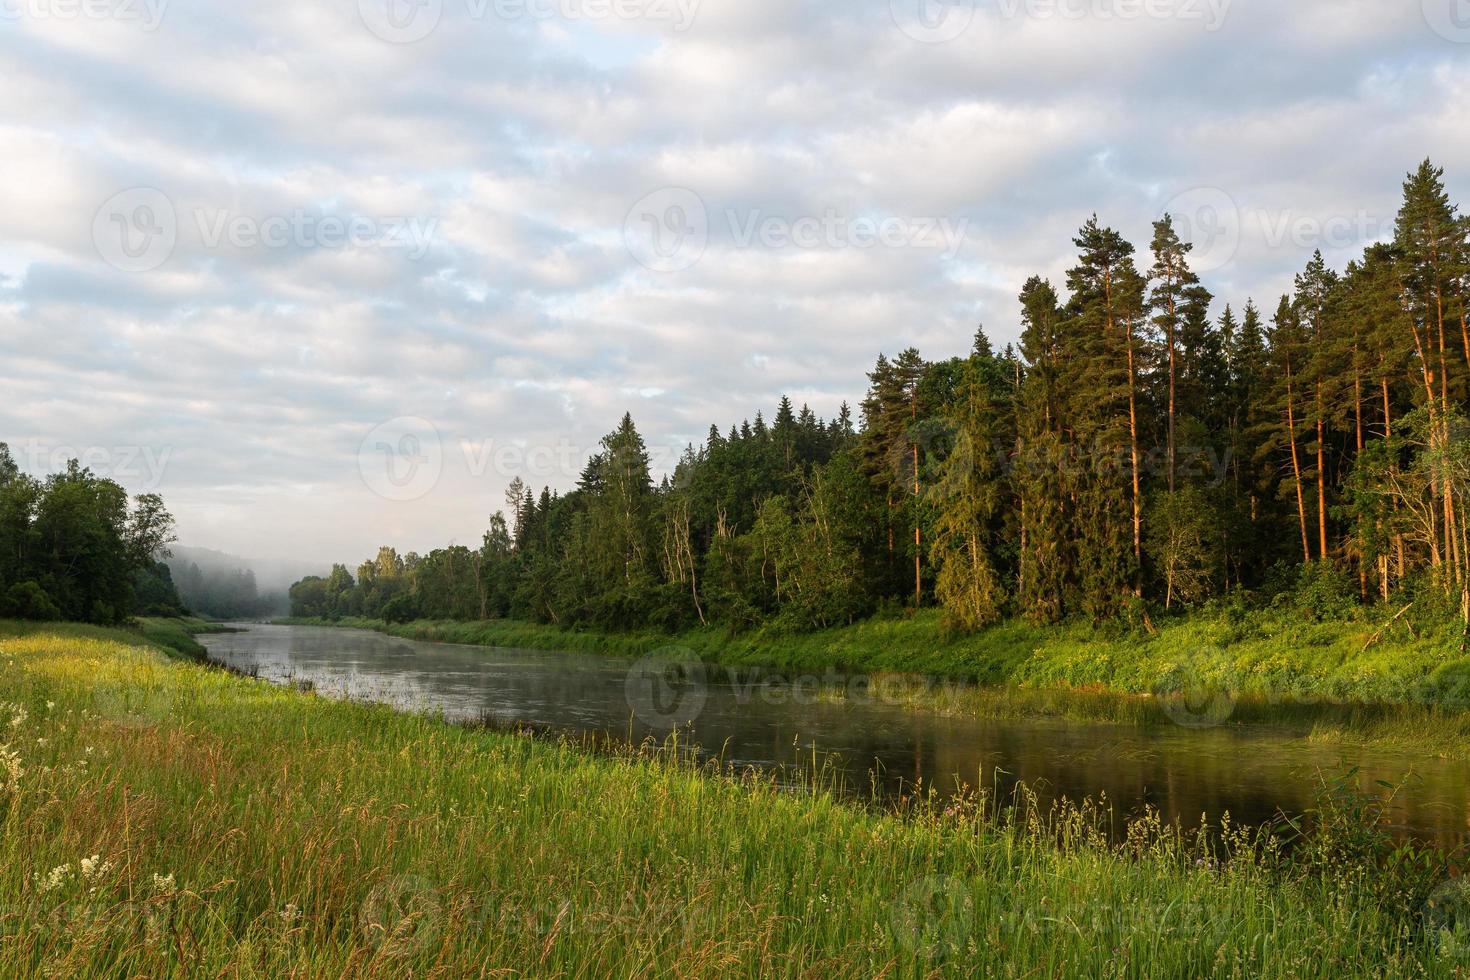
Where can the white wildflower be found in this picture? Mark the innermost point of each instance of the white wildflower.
(10, 768)
(163, 883)
(54, 880)
(94, 867)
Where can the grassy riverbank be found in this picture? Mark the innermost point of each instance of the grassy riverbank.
(1268, 656)
(174, 636)
(164, 818)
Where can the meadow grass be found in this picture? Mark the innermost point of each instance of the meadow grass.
(163, 818)
(172, 635)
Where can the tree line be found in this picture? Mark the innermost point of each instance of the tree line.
(75, 547)
(1141, 450)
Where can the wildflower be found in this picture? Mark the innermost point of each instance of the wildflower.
(50, 705)
(10, 768)
(163, 883)
(290, 913)
(53, 880)
(94, 867)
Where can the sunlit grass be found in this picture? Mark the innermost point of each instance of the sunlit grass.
(163, 818)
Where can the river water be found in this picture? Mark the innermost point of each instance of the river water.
(1251, 772)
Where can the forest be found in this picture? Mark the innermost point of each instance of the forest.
(74, 547)
(1144, 449)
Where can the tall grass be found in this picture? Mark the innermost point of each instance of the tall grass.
(166, 819)
(172, 635)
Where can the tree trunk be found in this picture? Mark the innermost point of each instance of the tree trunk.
(1451, 543)
(918, 539)
(1170, 336)
(1132, 441)
(1321, 482)
(1427, 376)
(1358, 399)
(1296, 468)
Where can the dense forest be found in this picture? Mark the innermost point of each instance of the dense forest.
(1142, 450)
(74, 547)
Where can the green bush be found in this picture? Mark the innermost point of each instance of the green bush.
(1325, 593)
(27, 600)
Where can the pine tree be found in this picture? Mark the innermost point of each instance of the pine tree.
(1431, 246)
(1100, 378)
(1314, 289)
(965, 497)
(1171, 277)
(1040, 467)
(1289, 351)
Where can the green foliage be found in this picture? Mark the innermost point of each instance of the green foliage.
(1325, 593)
(1185, 543)
(75, 547)
(27, 600)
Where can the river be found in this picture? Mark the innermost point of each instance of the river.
(1251, 772)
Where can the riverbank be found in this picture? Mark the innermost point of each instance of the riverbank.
(173, 635)
(164, 818)
(1256, 661)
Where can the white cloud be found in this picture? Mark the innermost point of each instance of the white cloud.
(520, 147)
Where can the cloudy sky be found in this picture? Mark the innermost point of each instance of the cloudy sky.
(328, 273)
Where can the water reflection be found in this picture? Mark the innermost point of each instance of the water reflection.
(1251, 772)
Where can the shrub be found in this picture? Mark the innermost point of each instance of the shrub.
(1325, 592)
(401, 609)
(27, 600)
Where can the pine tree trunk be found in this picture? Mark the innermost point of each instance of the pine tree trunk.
(1296, 468)
(1358, 400)
(1451, 542)
(1427, 376)
(918, 539)
(1465, 335)
(1387, 411)
(1133, 443)
(1171, 391)
(1398, 539)
(1321, 482)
